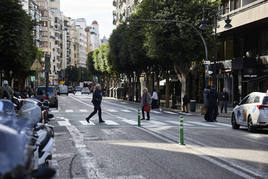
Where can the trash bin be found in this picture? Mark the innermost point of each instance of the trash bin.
(192, 105)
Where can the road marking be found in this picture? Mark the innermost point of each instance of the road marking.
(125, 110)
(54, 111)
(88, 162)
(85, 123)
(130, 122)
(157, 123)
(156, 112)
(84, 110)
(111, 123)
(178, 123)
(168, 112)
(69, 111)
(200, 123)
(222, 124)
(112, 110)
(64, 123)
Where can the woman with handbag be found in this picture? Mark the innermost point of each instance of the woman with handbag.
(146, 101)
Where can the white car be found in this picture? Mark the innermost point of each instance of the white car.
(251, 112)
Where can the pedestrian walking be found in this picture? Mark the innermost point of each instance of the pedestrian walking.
(96, 100)
(154, 99)
(185, 104)
(146, 101)
(212, 105)
(224, 97)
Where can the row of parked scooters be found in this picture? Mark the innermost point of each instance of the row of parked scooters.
(26, 140)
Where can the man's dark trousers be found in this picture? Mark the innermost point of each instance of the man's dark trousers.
(97, 108)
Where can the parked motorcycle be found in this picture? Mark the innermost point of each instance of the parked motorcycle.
(35, 138)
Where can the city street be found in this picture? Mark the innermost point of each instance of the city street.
(120, 149)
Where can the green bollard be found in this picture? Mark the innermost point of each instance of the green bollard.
(139, 116)
(181, 131)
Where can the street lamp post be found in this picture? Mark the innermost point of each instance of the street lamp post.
(215, 26)
(187, 24)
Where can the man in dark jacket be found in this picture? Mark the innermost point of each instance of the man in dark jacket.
(96, 100)
(212, 105)
(224, 100)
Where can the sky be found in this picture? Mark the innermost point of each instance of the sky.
(99, 10)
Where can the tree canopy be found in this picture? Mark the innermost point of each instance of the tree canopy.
(17, 46)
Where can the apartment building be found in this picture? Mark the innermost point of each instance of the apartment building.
(32, 8)
(244, 48)
(80, 41)
(123, 9)
(95, 35)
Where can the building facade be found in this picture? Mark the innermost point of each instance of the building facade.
(243, 49)
(95, 35)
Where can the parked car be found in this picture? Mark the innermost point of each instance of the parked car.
(52, 95)
(70, 89)
(85, 90)
(77, 88)
(63, 89)
(251, 112)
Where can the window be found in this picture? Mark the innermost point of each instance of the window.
(244, 101)
(257, 99)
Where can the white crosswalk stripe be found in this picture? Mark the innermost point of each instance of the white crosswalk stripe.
(111, 123)
(64, 123)
(178, 123)
(168, 112)
(200, 123)
(157, 123)
(69, 111)
(156, 112)
(85, 123)
(83, 110)
(125, 110)
(222, 124)
(112, 110)
(54, 111)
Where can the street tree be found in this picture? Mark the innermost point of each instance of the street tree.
(176, 44)
(17, 46)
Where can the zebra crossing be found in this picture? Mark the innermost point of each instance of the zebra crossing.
(121, 121)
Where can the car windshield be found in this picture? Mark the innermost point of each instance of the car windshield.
(43, 90)
(85, 89)
(78, 88)
(265, 100)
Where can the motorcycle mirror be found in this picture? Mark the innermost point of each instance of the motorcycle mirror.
(44, 172)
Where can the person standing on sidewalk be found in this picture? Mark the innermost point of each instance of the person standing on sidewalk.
(224, 100)
(154, 99)
(185, 103)
(146, 101)
(96, 100)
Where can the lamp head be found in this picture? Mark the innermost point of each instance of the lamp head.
(228, 21)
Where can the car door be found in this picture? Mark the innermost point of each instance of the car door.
(240, 115)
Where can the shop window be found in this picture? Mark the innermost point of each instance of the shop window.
(264, 42)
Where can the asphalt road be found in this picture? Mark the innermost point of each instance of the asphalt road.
(119, 149)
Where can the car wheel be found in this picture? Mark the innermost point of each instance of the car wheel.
(234, 124)
(251, 127)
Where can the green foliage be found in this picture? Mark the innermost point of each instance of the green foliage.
(17, 48)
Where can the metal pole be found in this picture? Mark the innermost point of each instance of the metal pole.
(215, 50)
(181, 131)
(47, 67)
(139, 116)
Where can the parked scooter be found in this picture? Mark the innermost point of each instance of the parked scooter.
(35, 135)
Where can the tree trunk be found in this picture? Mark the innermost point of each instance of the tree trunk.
(182, 74)
(167, 90)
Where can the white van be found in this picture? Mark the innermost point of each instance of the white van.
(63, 89)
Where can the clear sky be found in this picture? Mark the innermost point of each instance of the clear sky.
(99, 10)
